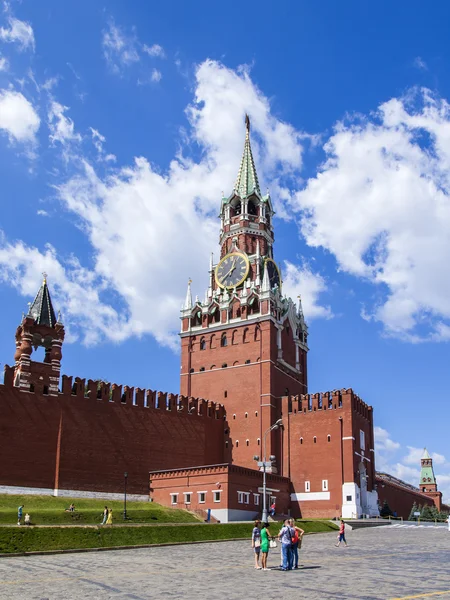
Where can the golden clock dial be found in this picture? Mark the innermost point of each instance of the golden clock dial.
(232, 270)
(273, 272)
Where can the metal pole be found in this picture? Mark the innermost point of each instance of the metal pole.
(125, 497)
(264, 512)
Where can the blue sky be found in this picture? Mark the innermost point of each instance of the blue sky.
(121, 125)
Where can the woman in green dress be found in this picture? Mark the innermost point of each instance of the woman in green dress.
(265, 535)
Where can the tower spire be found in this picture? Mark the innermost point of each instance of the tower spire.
(247, 179)
(188, 300)
(41, 309)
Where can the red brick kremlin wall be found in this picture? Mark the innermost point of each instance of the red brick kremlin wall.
(400, 499)
(86, 441)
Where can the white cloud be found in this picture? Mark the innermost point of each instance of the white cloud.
(151, 230)
(383, 441)
(4, 65)
(62, 128)
(119, 49)
(419, 63)
(380, 204)
(302, 281)
(415, 454)
(18, 118)
(18, 32)
(75, 290)
(42, 213)
(155, 50)
(99, 140)
(156, 76)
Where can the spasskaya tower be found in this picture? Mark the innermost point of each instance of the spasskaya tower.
(245, 344)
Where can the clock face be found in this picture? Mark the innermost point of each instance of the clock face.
(232, 270)
(273, 272)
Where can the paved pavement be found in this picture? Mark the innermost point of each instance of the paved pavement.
(380, 563)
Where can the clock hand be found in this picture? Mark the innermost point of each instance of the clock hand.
(233, 266)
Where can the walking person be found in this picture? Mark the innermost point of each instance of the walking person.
(296, 543)
(256, 542)
(110, 517)
(19, 514)
(265, 545)
(272, 510)
(341, 537)
(105, 516)
(285, 537)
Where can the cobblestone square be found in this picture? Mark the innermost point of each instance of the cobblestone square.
(381, 563)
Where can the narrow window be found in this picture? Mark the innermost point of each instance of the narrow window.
(203, 344)
(234, 416)
(224, 366)
(324, 485)
(258, 442)
(226, 444)
(237, 443)
(223, 341)
(217, 496)
(202, 368)
(256, 499)
(301, 440)
(225, 394)
(315, 440)
(247, 442)
(307, 486)
(201, 497)
(187, 497)
(248, 361)
(174, 498)
(246, 415)
(256, 413)
(329, 438)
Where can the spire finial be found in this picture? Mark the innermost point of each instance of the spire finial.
(247, 179)
(44, 275)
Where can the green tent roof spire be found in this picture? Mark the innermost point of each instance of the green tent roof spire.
(247, 179)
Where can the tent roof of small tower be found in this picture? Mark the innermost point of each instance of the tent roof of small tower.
(425, 454)
(247, 180)
(42, 308)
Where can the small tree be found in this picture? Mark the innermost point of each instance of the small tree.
(414, 509)
(385, 510)
(426, 513)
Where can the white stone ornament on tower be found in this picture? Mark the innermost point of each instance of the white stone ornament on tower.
(266, 281)
(188, 301)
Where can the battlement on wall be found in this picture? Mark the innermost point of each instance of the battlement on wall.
(335, 400)
(112, 393)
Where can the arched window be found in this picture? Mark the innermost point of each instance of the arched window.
(212, 343)
(257, 334)
(202, 368)
(301, 440)
(252, 208)
(258, 441)
(224, 365)
(196, 319)
(246, 415)
(329, 438)
(237, 208)
(234, 416)
(223, 340)
(237, 443)
(247, 442)
(315, 440)
(203, 344)
(253, 306)
(234, 337)
(256, 413)
(245, 339)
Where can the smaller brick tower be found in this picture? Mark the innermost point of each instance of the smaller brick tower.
(428, 484)
(39, 327)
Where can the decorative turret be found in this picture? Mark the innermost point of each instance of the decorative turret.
(39, 328)
(427, 478)
(428, 483)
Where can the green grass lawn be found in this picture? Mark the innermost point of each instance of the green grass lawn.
(29, 539)
(48, 510)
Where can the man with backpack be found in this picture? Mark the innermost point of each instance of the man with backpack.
(285, 537)
(296, 543)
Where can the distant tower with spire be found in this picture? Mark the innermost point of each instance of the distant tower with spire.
(39, 328)
(245, 344)
(428, 483)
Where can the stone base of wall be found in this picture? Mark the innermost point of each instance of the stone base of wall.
(28, 491)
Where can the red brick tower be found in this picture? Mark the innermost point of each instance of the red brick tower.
(245, 345)
(39, 327)
(428, 483)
